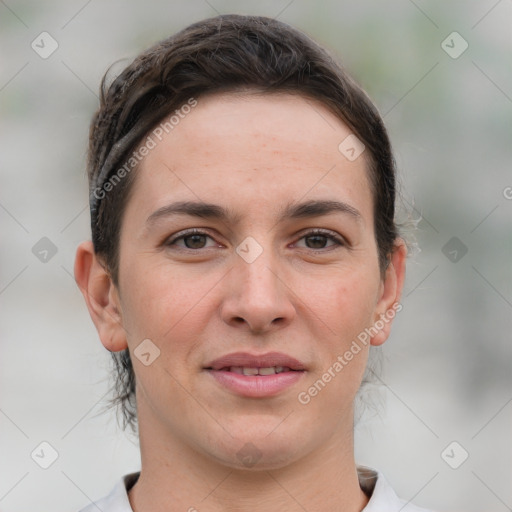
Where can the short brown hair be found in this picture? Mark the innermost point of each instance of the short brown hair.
(221, 54)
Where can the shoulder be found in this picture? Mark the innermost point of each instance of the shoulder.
(117, 500)
(382, 496)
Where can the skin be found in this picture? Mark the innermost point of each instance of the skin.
(305, 296)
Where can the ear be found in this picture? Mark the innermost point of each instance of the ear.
(101, 297)
(389, 294)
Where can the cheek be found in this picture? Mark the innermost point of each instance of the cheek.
(165, 309)
(344, 310)
(344, 302)
(162, 303)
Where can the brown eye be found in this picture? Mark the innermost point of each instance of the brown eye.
(195, 241)
(318, 240)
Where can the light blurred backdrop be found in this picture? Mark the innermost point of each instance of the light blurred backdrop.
(448, 107)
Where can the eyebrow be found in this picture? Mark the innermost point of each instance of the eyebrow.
(312, 208)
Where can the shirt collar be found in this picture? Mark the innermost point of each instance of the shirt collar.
(372, 482)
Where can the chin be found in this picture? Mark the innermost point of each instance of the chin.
(258, 452)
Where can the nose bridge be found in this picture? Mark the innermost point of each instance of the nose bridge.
(258, 296)
(254, 268)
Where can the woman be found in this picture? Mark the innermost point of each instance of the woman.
(244, 259)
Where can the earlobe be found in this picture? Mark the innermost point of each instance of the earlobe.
(388, 304)
(101, 297)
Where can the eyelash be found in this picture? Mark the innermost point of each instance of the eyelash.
(330, 235)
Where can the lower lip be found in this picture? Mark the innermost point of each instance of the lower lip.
(256, 386)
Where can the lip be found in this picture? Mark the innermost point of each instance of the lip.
(255, 361)
(256, 386)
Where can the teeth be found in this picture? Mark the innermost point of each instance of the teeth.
(250, 371)
(271, 370)
(268, 371)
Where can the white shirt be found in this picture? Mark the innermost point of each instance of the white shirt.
(373, 483)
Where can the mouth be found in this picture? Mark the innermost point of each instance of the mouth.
(245, 363)
(248, 371)
(256, 376)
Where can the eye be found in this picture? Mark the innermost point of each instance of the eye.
(318, 239)
(196, 239)
(192, 239)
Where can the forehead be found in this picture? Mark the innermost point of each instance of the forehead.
(243, 147)
(259, 122)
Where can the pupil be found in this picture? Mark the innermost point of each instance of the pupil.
(195, 241)
(318, 241)
(198, 241)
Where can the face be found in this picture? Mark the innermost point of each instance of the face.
(279, 271)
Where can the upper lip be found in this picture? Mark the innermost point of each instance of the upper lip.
(255, 361)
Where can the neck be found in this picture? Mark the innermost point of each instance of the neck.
(175, 477)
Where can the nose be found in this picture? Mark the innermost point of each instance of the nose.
(257, 297)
